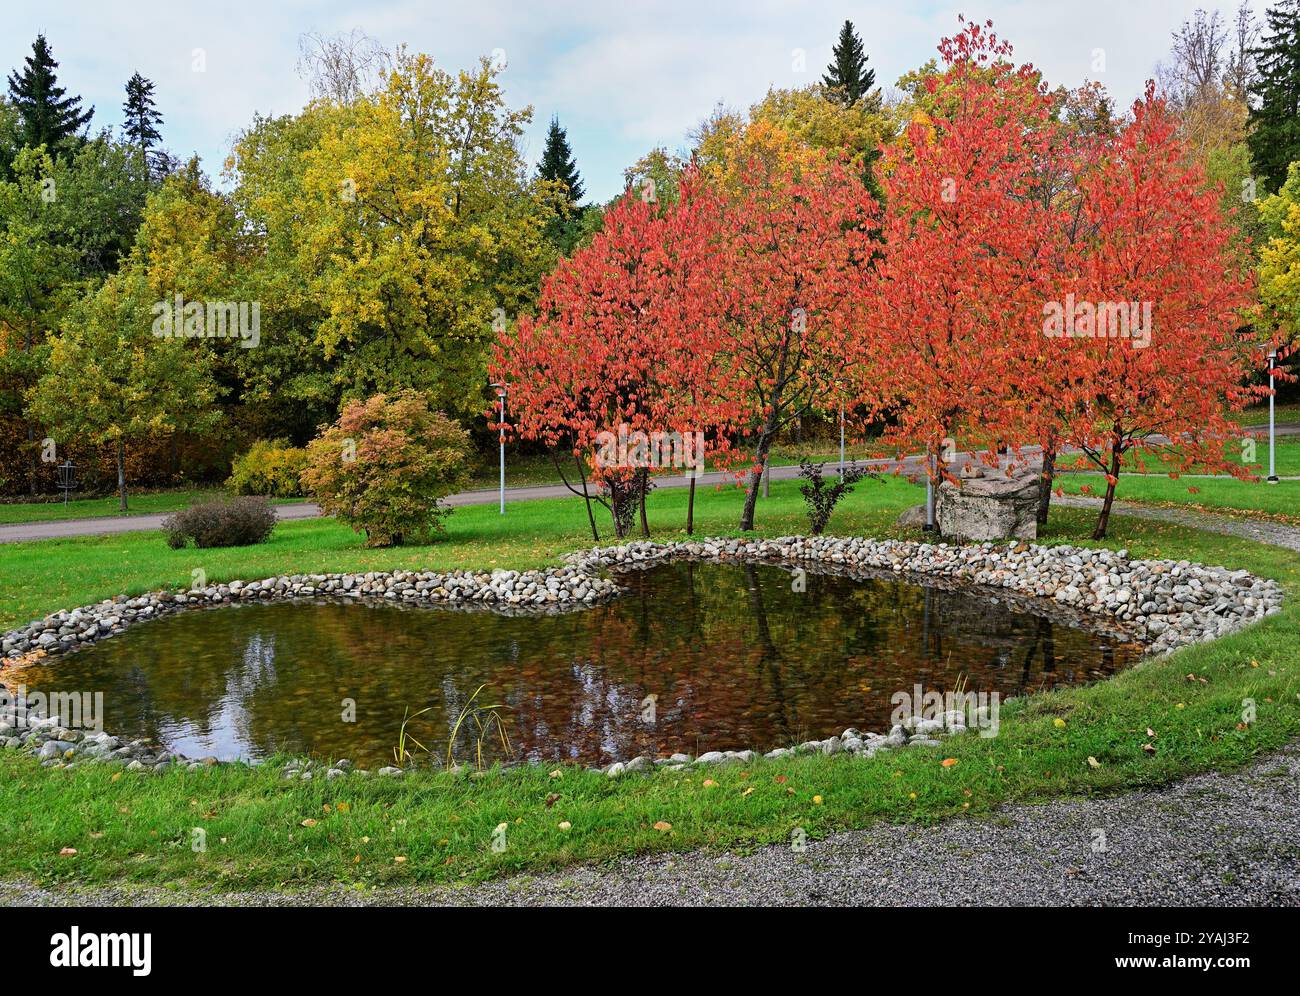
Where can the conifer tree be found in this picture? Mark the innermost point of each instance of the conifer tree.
(1274, 140)
(557, 164)
(142, 117)
(848, 76)
(46, 116)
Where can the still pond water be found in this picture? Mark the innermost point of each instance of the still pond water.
(733, 656)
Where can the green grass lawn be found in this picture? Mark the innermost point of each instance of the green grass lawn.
(139, 828)
(1258, 414)
(145, 503)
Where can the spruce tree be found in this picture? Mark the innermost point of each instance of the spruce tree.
(563, 230)
(142, 118)
(46, 116)
(557, 162)
(1274, 140)
(848, 77)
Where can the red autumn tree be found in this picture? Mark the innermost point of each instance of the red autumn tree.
(795, 244)
(697, 396)
(620, 365)
(1148, 332)
(953, 324)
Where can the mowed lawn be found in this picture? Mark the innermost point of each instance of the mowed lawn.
(430, 826)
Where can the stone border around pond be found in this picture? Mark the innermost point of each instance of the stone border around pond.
(1164, 604)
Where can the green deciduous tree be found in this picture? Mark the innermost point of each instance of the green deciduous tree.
(110, 381)
(65, 224)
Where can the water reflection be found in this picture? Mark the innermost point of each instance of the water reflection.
(732, 655)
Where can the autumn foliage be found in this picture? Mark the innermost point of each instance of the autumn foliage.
(385, 465)
(1031, 280)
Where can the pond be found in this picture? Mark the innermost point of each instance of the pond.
(734, 657)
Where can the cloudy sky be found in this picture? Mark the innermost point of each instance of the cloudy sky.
(622, 77)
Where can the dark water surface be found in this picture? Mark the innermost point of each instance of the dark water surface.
(734, 657)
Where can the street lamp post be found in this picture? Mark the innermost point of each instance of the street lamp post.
(1272, 467)
(501, 407)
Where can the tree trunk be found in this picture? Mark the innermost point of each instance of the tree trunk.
(643, 485)
(690, 508)
(1045, 484)
(1103, 520)
(121, 473)
(751, 499)
(586, 497)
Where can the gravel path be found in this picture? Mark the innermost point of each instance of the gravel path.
(1215, 840)
(1259, 530)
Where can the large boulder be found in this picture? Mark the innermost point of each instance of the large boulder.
(994, 507)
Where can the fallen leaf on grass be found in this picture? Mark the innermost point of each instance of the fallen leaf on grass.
(1149, 748)
(309, 822)
(663, 826)
(67, 852)
(948, 762)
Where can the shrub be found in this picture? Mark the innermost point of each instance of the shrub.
(269, 467)
(232, 522)
(384, 466)
(820, 499)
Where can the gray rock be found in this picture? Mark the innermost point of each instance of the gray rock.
(989, 508)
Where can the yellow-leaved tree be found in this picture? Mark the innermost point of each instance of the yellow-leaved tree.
(399, 228)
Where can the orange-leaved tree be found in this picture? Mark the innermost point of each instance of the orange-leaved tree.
(1151, 330)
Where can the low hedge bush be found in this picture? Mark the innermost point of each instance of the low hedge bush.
(235, 522)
